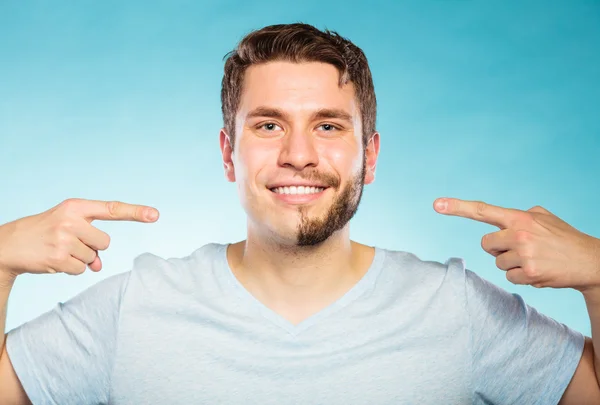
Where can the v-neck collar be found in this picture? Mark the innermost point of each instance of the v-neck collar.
(364, 284)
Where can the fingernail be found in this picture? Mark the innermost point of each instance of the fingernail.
(441, 205)
(151, 215)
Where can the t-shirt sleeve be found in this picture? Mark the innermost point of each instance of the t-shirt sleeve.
(65, 355)
(519, 355)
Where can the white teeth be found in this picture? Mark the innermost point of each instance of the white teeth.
(298, 190)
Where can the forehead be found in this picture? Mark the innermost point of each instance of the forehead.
(295, 88)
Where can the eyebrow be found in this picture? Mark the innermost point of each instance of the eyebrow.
(322, 113)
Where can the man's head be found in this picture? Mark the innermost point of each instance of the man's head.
(299, 134)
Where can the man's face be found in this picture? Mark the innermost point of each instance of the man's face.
(299, 159)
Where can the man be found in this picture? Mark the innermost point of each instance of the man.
(297, 312)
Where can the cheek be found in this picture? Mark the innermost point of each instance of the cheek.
(344, 158)
(252, 163)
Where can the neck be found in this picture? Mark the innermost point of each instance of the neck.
(297, 281)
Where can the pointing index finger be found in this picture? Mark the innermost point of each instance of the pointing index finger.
(476, 210)
(118, 211)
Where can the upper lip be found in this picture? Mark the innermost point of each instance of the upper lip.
(296, 183)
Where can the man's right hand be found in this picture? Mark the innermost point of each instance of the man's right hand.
(63, 239)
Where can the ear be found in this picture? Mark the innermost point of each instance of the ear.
(227, 152)
(371, 154)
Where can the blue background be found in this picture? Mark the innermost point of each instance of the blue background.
(494, 101)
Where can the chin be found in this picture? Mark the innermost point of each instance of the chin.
(289, 238)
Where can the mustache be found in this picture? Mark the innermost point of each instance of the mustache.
(328, 179)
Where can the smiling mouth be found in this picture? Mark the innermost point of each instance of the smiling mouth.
(297, 190)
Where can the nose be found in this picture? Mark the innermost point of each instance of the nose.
(298, 151)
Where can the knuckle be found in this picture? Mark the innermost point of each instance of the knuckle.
(61, 237)
(59, 257)
(78, 268)
(516, 278)
(66, 224)
(480, 207)
(484, 242)
(526, 218)
(70, 203)
(140, 213)
(81, 267)
(524, 252)
(522, 236)
(90, 256)
(511, 277)
(104, 242)
(530, 270)
(113, 207)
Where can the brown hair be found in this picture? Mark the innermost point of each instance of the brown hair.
(298, 43)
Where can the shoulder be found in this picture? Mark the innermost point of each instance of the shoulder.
(158, 272)
(452, 275)
(411, 267)
(406, 276)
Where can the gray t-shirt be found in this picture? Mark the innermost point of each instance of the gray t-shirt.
(185, 331)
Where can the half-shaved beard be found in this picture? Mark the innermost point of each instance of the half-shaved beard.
(313, 231)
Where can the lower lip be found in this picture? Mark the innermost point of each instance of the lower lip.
(298, 198)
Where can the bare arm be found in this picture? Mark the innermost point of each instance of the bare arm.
(11, 390)
(60, 240)
(583, 388)
(585, 385)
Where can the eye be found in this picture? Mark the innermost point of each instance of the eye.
(328, 127)
(270, 127)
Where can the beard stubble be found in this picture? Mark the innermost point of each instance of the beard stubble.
(313, 231)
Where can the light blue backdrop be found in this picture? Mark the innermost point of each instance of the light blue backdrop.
(496, 101)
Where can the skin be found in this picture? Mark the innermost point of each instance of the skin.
(296, 259)
(537, 248)
(59, 240)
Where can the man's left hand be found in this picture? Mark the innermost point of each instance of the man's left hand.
(534, 247)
